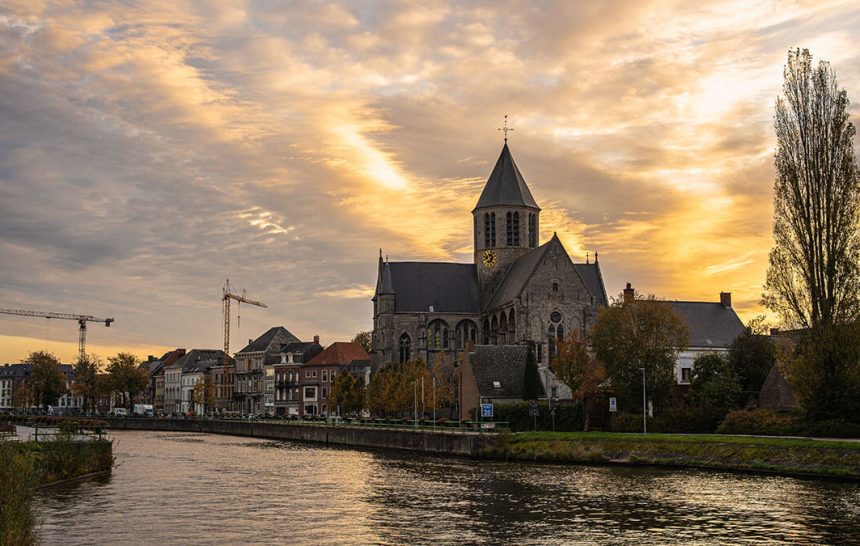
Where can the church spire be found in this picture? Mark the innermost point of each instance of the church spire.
(506, 186)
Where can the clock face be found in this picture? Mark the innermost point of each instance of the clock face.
(489, 258)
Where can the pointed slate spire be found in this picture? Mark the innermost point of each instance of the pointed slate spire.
(387, 285)
(506, 186)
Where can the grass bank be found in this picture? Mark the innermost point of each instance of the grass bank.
(791, 456)
(26, 465)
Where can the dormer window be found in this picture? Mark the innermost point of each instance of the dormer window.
(497, 384)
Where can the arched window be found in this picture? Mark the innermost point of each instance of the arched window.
(516, 229)
(532, 230)
(437, 335)
(467, 332)
(509, 226)
(405, 348)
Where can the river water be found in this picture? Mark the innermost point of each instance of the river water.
(182, 488)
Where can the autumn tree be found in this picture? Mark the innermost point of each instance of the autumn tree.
(46, 380)
(364, 339)
(813, 278)
(85, 380)
(22, 396)
(397, 388)
(578, 369)
(203, 393)
(347, 393)
(126, 377)
(751, 356)
(641, 332)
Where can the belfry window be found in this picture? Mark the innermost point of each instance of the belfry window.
(489, 229)
(516, 229)
(532, 230)
(405, 348)
(509, 224)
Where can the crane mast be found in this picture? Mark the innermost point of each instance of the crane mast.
(82, 323)
(228, 295)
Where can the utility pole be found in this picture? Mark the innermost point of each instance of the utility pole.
(644, 405)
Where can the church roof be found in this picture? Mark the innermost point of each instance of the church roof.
(506, 186)
(521, 271)
(447, 287)
(517, 277)
(590, 274)
(711, 324)
(499, 365)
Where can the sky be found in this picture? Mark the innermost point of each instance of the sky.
(150, 150)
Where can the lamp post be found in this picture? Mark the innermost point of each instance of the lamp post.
(644, 405)
(415, 402)
(434, 402)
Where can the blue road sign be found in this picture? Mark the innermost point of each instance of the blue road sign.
(486, 410)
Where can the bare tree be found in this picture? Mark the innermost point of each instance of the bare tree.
(813, 276)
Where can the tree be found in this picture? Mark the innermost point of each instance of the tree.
(813, 277)
(532, 388)
(126, 377)
(714, 384)
(22, 396)
(578, 370)
(203, 393)
(442, 372)
(364, 339)
(347, 393)
(85, 383)
(393, 388)
(640, 333)
(46, 380)
(751, 356)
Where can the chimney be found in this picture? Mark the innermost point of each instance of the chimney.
(774, 332)
(150, 358)
(317, 339)
(181, 352)
(250, 341)
(629, 294)
(726, 299)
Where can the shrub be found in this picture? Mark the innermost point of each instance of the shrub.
(769, 422)
(568, 417)
(17, 483)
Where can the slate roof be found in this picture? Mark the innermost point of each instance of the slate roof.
(593, 279)
(517, 277)
(506, 186)
(711, 324)
(263, 342)
(199, 360)
(339, 353)
(503, 363)
(448, 287)
(12, 371)
(308, 349)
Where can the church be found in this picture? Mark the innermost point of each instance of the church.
(516, 292)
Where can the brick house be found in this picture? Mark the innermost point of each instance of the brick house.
(317, 376)
(254, 387)
(287, 371)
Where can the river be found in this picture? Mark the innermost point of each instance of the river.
(183, 488)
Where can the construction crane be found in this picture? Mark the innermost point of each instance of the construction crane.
(82, 321)
(228, 295)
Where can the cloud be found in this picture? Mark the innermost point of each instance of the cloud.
(148, 151)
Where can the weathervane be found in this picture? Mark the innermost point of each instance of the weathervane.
(505, 129)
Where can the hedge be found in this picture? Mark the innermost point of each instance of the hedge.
(568, 417)
(770, 422)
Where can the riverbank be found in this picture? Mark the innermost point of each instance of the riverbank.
(789, 456)
(26, 466)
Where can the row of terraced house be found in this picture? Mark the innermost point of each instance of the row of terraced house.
(275, 374)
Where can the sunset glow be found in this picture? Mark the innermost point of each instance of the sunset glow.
(149, 151)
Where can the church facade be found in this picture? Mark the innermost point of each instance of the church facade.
(516, 292)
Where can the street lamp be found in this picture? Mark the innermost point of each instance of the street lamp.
(644, 405)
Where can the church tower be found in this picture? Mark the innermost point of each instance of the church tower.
(506, 223)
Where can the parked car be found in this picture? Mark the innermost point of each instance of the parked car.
(120, 412)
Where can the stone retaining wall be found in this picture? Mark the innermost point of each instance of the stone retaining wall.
(453, 443)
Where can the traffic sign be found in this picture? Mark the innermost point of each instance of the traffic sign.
(613, 405)
(534, 410)
(486, 410)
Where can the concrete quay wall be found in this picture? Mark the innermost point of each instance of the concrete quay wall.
(428, 441)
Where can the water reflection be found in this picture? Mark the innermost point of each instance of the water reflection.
(198, 489)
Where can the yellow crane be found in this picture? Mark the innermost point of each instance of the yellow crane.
(228, 295)
(82, 322)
